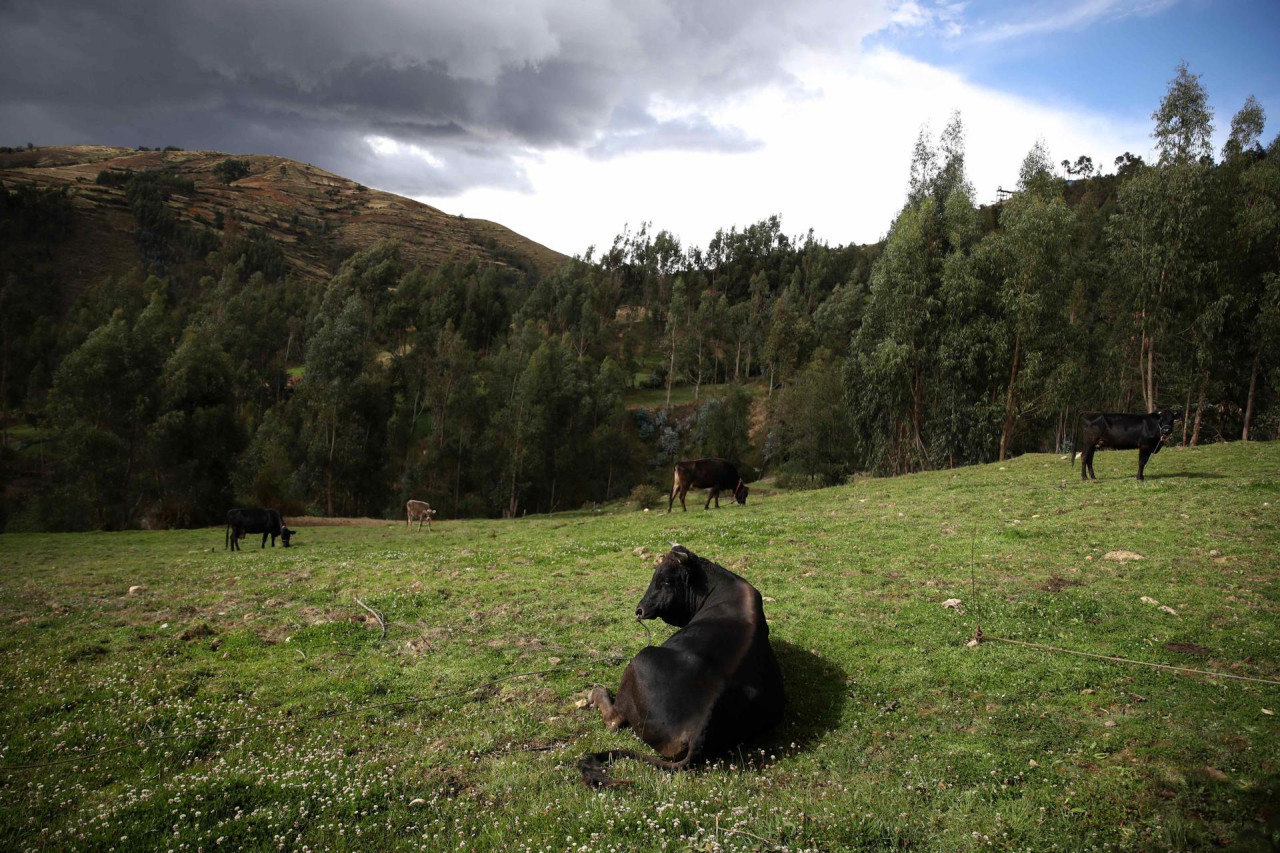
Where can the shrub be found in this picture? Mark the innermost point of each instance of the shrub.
(645, 496)
(231, 170)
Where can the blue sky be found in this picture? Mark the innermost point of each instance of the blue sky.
(569, 121)
(1109, 57)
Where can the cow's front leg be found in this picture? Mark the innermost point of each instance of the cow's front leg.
(1143, 456)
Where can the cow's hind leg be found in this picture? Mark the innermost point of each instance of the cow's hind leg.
(613, 718)
(1086, 463)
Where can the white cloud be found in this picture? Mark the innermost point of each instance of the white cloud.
(1044, 19)
(834, 159)
(386, 147)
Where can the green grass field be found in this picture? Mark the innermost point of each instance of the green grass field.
(898, 735)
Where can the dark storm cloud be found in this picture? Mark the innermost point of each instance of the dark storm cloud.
(477, 84)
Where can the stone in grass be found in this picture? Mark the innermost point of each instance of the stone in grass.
(1122, 556)
(953, 604)
(137, 589)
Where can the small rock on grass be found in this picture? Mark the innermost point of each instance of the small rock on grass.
(1122, 556)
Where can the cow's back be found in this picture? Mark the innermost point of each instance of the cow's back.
(708, 473)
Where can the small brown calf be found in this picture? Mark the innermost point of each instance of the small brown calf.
(420, 510)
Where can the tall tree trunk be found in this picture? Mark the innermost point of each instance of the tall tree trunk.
(917, 415)
(697, 383)
(1151, 376)
(1011, 399)
(1186, 422)
(457, 477)
(1204, 382)
(671, 370)
(1253, 387)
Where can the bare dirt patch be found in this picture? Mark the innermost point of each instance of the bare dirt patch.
(1186, 648)
(1057, 584)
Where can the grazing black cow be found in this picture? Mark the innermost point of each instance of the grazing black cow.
(265, 521)
(714, 474)
(712, 685)
(419, 510)
(1146, 433)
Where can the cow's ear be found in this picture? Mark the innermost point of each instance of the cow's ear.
(681, 553)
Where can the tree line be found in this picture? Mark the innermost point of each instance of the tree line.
(971, 333)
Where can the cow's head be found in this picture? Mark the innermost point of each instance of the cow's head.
(678, 582)
(1166, 418)
(285, 533)
(740, 492)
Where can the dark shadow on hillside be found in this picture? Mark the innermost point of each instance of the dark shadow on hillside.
(1191, 475)
(1173, 475)
(816, 694)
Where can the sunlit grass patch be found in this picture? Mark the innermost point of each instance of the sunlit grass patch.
(460, 726)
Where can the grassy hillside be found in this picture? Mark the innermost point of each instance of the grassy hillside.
(897, 734)
(314, 216)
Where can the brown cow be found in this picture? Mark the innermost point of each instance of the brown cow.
(714, 474)
(712, 685)
(419, 510)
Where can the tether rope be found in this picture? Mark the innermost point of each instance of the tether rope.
(981, 637)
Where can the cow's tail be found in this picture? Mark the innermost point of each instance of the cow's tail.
(675, 489)
(226, 543)
(594, 766)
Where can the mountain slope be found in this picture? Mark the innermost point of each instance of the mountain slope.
(316, 217)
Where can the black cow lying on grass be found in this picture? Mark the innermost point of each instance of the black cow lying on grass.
(265, 521)
(712, 685)
(1146, 433)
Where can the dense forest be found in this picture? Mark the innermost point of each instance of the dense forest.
(213, 377)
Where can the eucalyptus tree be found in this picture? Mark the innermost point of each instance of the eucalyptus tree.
(103, 403)
(1032, 269)
(1256, 233)
(344, 401)
(893, 368)
(1160, 234)
(195, 437)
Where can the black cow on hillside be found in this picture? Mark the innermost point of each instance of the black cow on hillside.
(714, 474)
(265, 521)
(712, 685)
(1145, 433)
